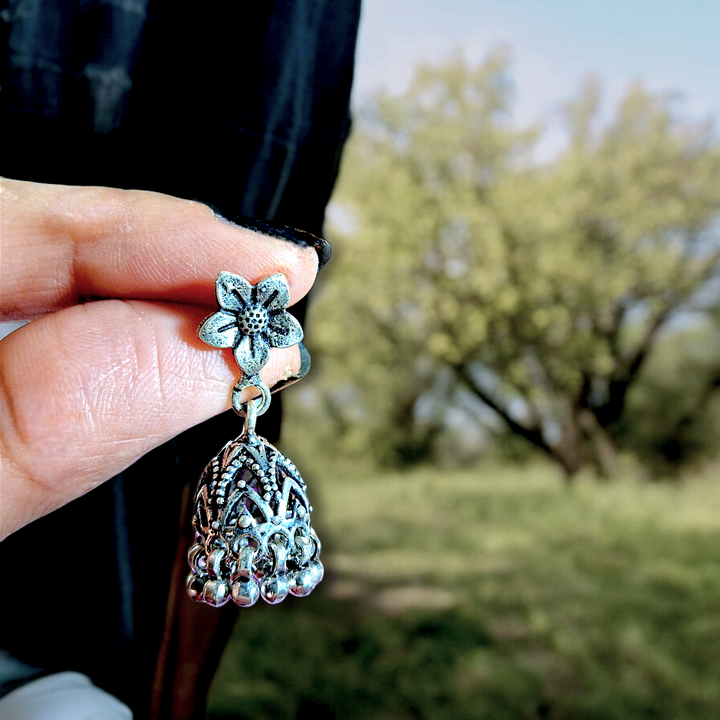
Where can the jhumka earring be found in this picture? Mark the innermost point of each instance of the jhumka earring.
(252, 515)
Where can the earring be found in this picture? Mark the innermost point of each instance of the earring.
(252, 514)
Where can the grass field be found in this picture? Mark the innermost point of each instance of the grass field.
(495, 593)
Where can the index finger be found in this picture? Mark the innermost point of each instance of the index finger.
(61, 244)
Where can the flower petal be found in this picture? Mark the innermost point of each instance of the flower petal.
(219, 330)
(232, 291)
(252, 353)
(272, 292)
(284, 331)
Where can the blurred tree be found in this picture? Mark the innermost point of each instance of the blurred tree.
(466, 264)
(672, 415)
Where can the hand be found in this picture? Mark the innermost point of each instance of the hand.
(115, 283)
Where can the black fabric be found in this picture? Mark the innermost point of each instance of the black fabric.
(240, 105)
(243, 105)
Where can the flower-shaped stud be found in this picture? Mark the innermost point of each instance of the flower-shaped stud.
(251, 320)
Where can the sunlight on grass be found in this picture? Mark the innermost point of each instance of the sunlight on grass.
(495, 593)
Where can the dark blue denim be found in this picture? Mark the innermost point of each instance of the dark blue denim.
(243, 105)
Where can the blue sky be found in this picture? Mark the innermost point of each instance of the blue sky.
(670, 45)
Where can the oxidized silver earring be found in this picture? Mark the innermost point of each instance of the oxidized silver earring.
(252, 515)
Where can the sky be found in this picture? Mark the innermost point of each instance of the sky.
(669, 45)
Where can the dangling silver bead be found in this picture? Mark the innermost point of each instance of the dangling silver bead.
(248, 546)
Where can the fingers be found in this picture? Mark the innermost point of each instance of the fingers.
(61, 244)
(88, 390)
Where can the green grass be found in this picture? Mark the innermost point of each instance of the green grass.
(496, 593)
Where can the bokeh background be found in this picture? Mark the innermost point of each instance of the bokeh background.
(511, 432)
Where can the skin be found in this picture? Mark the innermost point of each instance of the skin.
(115, 283)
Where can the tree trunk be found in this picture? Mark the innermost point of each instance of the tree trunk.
(604, 454)
(570, 451)
(585, 441)
(600, 447)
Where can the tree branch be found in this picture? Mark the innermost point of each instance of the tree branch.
(619, 384)
(532, 434)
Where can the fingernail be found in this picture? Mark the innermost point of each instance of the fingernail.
(305, 362)
(283, 232)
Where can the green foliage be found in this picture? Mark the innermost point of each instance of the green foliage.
(541, 287)
(673, 414)
(493, 593)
